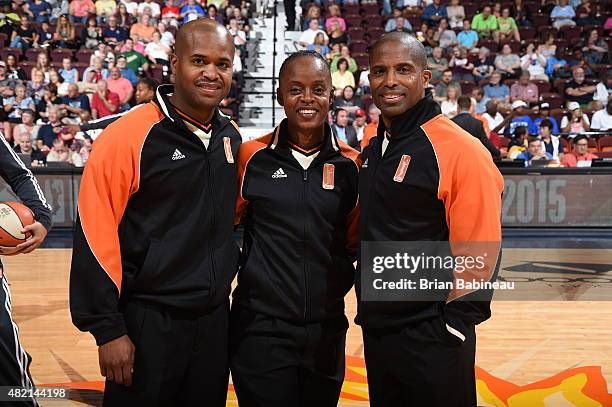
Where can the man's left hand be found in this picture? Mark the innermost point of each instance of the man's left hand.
(38, 235)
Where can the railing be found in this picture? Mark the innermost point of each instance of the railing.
(552, 198)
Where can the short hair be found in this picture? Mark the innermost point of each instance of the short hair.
(149, 83)
(342, 60)
(580, 137)
(417, 50)
(533, 139)
(546, 123)
(300, 54)
(520, 130)
(464, 102)
(27, 111)
(447, 70)
(338, 110)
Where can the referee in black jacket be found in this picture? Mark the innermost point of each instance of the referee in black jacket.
(423, 179)
(298, 203)
(14, 360)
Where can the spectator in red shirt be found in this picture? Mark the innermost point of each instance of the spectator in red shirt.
(170, 14)
(580, 152)
(104, 102)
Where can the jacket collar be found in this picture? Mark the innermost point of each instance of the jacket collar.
(162, 100)
(406, 123)
(279, 140)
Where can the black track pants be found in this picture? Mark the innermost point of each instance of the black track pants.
(422, 365)
(277, 363)
(179, 361)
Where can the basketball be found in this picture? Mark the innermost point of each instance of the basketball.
(14, 216)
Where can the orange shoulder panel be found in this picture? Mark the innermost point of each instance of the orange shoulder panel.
(369, 132)
(111, 176)
(471, 187)
(350, 153)
(245, 153)
(470, 184)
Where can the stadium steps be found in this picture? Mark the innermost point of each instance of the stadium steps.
(258, 108)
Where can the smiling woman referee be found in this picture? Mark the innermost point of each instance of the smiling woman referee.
(297, 200)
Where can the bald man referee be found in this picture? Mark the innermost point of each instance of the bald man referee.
(423, 178)
(154, 255)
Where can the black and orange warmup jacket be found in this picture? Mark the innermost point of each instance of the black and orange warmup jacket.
(435, 182)
(155, 219)
(300, 238)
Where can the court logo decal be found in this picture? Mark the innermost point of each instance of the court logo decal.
(578, 387)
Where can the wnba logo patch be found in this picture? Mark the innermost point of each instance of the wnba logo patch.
(328, 176)
(402, 167)
(227, 146)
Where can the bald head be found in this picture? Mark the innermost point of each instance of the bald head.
(415, 47)
(190, 31)
(202, 67)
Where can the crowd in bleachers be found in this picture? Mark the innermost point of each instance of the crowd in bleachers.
(521, 62)
(64, 63)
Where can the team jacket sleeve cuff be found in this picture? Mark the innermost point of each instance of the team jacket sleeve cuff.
(45, 221)
(109, 334)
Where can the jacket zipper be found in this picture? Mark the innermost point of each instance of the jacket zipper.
(213, 278)
(304, 259)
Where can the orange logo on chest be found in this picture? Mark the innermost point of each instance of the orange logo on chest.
(227, 146)
(402, 167)
(328, 176)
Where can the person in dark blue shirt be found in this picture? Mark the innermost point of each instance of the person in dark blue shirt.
(38, 10)
(534, 152)
(45, 36)
(191, 11)
(520, 118)
(76, 103)
(545, 115)
(50, 131)
(434, 13)
(113, 34)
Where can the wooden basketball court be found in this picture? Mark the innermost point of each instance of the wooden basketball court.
(546, 353)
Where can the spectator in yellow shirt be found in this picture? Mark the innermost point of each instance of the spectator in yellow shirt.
(105, 9)
(342, 77)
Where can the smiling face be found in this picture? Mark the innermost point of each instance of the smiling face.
(203, 72)
(305, 91)
(397, 78)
